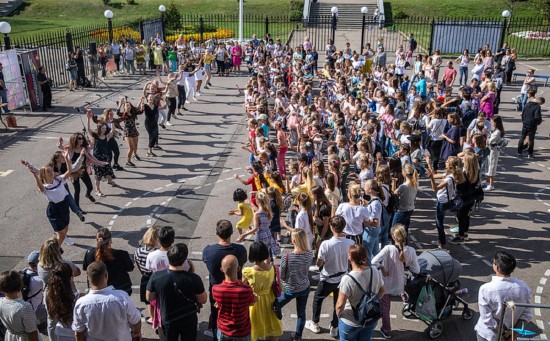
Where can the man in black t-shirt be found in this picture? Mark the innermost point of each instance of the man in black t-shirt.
(213, 255)
(46, 87)
(180, 294)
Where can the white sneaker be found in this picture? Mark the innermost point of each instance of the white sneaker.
(313, 327)
(195, 99)
(489, 188)
(187, 102)
(69, 241)
(314, 268)
(484, 183)
(199, 93)
(169, 124)
(333, 331)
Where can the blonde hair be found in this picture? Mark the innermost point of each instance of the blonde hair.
(50, 254)
(455, 169)
(263, 203)
(308, 174)
(471, 167)
(42, 174)
(354, 192)
(411, 174)
(300, 240)
(399, 235)
(150, 237)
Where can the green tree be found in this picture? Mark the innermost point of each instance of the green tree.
(542, 6)
(172, 17)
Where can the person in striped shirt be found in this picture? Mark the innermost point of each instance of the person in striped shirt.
(232, 300)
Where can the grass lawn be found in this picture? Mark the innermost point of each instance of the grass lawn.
(46, 15)
(453, 8)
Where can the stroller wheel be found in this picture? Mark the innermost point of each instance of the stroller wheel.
(407, 313)
(434, 330)
(467, 313)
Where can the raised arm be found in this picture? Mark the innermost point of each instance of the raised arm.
(34, 171)
(69, 165)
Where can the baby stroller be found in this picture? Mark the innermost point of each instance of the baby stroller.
(433, 294)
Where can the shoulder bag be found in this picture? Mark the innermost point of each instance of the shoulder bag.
(368, 310)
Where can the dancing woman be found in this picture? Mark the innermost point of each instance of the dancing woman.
(57, 162)
(58, 206)
(108, 117)
(101, 151)
(151, 111)
(128, 113)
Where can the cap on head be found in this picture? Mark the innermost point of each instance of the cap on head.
(32, 258)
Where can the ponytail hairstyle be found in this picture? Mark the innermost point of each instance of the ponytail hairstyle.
(335, 164)
(331, 182)
(263, 203)
(383, 175)
(455, 169)
(103, 250)
(320, 167)
(376, 188)
(60, 298)
(308, 174)
(354, 193)
(411, 174)
(305, 201)
(471, 168)
(274, 194)
(399, 236)
(358, 254)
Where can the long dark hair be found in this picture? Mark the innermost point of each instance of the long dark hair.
(60, 298)
(498, 124)
(103, 251)
(320, 198)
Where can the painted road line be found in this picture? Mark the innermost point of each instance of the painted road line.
(539, 290)
(503, 210)
(157, 189)
(543, 281)
(540, 221)
(547, 273)
(523, 216)
(149, 222)
(537, 299)
(6, 173)
(487, 262)
(537, 311)
(128, 204)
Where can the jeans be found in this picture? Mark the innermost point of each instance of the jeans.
(440, 209)
(371, 241)
(171, 107)
(222, 337)
(181, 96)
(174, 65)
(463, 72)
(349, 333)
(523, 100)
(113, 145)
(72, 203)
(187, 329)
(301, 303)
(85, 177)
(324, 289)
(130, 66)
(385, 227)
(527, 132)
(385, 305)
(163, 116)
(463, 216)
(403, 218)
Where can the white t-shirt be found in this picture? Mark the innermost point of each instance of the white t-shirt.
(449, 188)
(334, 252)
(302, 222)
(437, 127)
(375, 210)
(354, 293)
(158, 261)
(354, 216)
(56, 191)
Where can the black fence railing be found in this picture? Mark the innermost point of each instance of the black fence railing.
(529, 36)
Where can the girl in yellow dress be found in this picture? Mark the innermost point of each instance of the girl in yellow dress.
(243, 209)
(260, 277)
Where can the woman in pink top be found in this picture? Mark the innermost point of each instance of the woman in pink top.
(488, 101)
(236, 53)
(282, 145)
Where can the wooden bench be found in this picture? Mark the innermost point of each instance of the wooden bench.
(515, 76)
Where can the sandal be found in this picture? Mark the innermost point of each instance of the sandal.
(137, 157)
(112, 183)
(99, 194)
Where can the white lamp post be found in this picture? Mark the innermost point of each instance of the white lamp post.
(162, 9)
(109, 15)
(5, 28)
(241, 20)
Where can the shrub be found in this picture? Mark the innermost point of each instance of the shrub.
(172, 17)
(296, 15)
(297, 5)
(106, 2)
(131, 2)
(400, 15)
(220, 33)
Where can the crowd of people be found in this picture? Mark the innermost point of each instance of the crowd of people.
(337, 145)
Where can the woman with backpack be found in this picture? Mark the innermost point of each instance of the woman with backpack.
(393, 260)
(470, 190)
(361, 280)
(406, 194)
(446, 193)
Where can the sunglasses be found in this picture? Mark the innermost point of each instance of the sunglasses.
(80, 138)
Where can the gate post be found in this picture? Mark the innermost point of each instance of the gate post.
(69, 38)
(266, 25)
(430, 48)
(201, 28)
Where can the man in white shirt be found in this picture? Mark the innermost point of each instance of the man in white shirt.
(493, 295)
(105, 313)
(333, 257)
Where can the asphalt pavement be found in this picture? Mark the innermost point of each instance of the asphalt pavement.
(189, 186)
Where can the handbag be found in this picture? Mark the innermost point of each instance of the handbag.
(456, 202)
(276, 287)
(368, 310)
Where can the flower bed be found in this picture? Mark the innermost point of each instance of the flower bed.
(103, 34)
(220, 33)
(532, 35)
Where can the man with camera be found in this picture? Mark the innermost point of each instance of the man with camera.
(46, 87)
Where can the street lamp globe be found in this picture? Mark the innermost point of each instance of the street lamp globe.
(364, 10)
(506, 14)
(334, 10)
(108, 14)
(162, 8)
(5, 28)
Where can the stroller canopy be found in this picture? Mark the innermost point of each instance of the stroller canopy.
(440, 266)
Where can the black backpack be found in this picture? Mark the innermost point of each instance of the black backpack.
(26, 277)
(368, 310)
(469, 115)
(413, 44)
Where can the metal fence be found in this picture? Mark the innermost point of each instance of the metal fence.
(529, 36)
